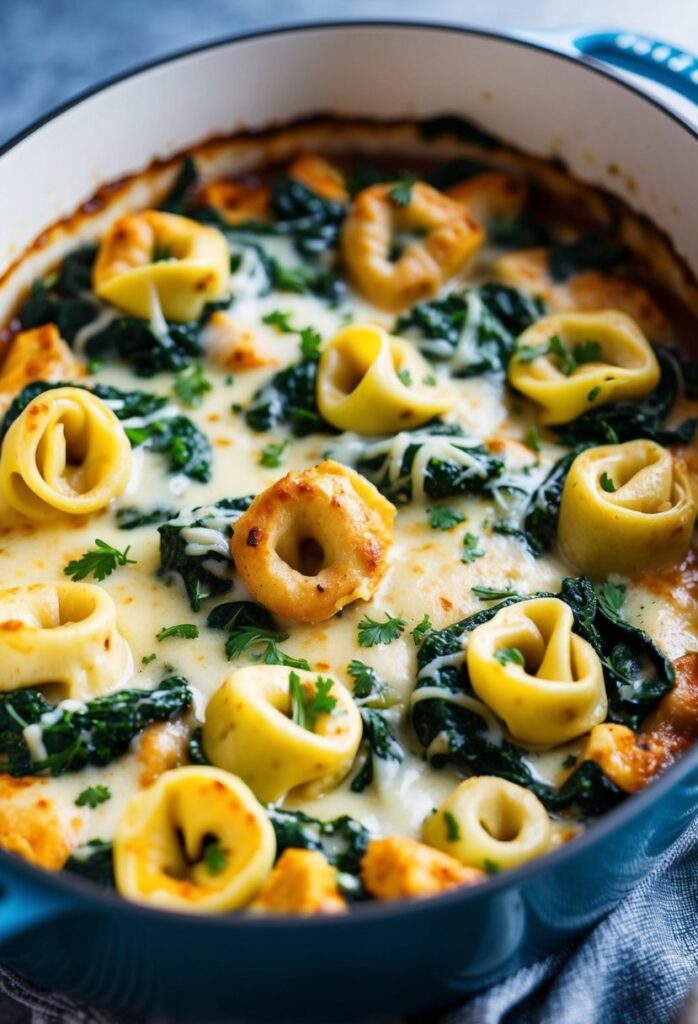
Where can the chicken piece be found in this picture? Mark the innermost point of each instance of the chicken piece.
(396, 868)
(162, 746)
(39, 354)
(302, 882)
(31, 826)
(233, 348)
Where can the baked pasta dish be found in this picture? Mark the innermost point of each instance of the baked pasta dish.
(348, 486)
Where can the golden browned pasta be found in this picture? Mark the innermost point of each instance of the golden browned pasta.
(489, 822)
(63, 633)
(235, 201)
(33, 826)
(490, 196)
(154, 257)
(302, 882)
(66, 453)
(571, 362)
(39, 354)
(320, 176)
(314, 542)
(542, 679)
(372, 383)
(251, 730)
(428, 261)
(398, 868)
(626, 508)
(160, 845)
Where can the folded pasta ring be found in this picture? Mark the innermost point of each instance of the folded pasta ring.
(314, 542)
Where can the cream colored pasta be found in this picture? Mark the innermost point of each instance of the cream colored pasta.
(542, 679)
(249, 731)
(161, 840)
(66, 453)
(606, 358)
(626, 508)
(372, 383)
(61, 633)
(490, 823)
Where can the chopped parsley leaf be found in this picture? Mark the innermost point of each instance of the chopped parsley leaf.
(594, 393)
(190, 385)
(452, 827)
(272, 454)
(147, 658)
(215, 858)
(401, 192)
(280, 320)
(611, 597)
(494, 593)
(510, 656)
(310, 342)
(99, 563)
(606, 483)
(93, 796)
(186, 630)
(405, 377)
(366, 681)
(421, 629)
(372, 633)
(471, 551)
(443, 518)
(305, 710)
(532, 439)
(491, 866)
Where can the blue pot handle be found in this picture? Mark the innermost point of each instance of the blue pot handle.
(24, 905)
(629, 51)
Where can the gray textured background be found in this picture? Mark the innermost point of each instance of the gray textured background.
(52, 49)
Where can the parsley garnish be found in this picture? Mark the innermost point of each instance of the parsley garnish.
(470, 548)
(94, 365)
(401, 193)
(305, 710)
(582, 352)
(606, 483)
(310, 342)
(215, 858)
(430, 380)
(594, 393)
(421, 630)
(190, 385)
(611, 597)
(93, 796)
(100, 563)
(491, 866)
(494, 593)
(366, 681)
(532, 439)
(280, 320)
(147, 658)
(587, 352)
(443, 518)
(405, 377)
(248, 626)
(272, 454)
(510, 656)
(186, 630)
(372, 633)
(452, 828)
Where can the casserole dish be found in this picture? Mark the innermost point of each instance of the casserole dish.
(66, 936)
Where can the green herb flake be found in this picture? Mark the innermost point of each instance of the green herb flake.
(95, 365)
(452, 827)
(430, 380)
(272, 454)
(421, 630)
(372, 633)
(281, 320)
(310, 342)
(611, 597)
(494, 593)
(366, 681)
(304, 710)
(606, 483)
(185, 630)
(443, 518)
(491, 866)
(215, 858)
(99, 563)
(401, 193)
(587, 352)
(510, 656)
(93, 796)
(594, 393)
(405, 377)
(148, 658)
(532, 439)
(570, 761)
(190, 385)
(471, 551)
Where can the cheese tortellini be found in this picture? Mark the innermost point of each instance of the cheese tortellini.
(249, 730)
(543, 680)
(66, 453)
(152, 256)
(372, 383)
(435, 237)
(569, 363)
(626, 508)
(488, 822)
(162, 845)
(61, 633)
(314, 542)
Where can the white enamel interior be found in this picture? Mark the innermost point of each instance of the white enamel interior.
(537, 100)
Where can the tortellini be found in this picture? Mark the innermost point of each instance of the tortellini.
(154, 256)
(490, 823)
(61, 633)
(399, 251)
(543, 680)
(249, 731)
(39, 354)
(314, 542)
(572, 362)
(162, 845)
(626, 508)
(372, 383)
(66, 453)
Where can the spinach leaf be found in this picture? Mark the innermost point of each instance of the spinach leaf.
(590, 253)
(131, 517)
(311, 220)
(343, 840)
(538, 527)
(252, 631)
(626, 421)
(145, 352)
(195, 546)
(96, 735)
(93, 861)
(176, 200)
(289, 397)
(379, 741)
(63, 297)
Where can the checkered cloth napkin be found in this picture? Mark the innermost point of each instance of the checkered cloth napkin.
(636, 967)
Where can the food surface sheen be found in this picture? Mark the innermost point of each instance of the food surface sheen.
(435, 558)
